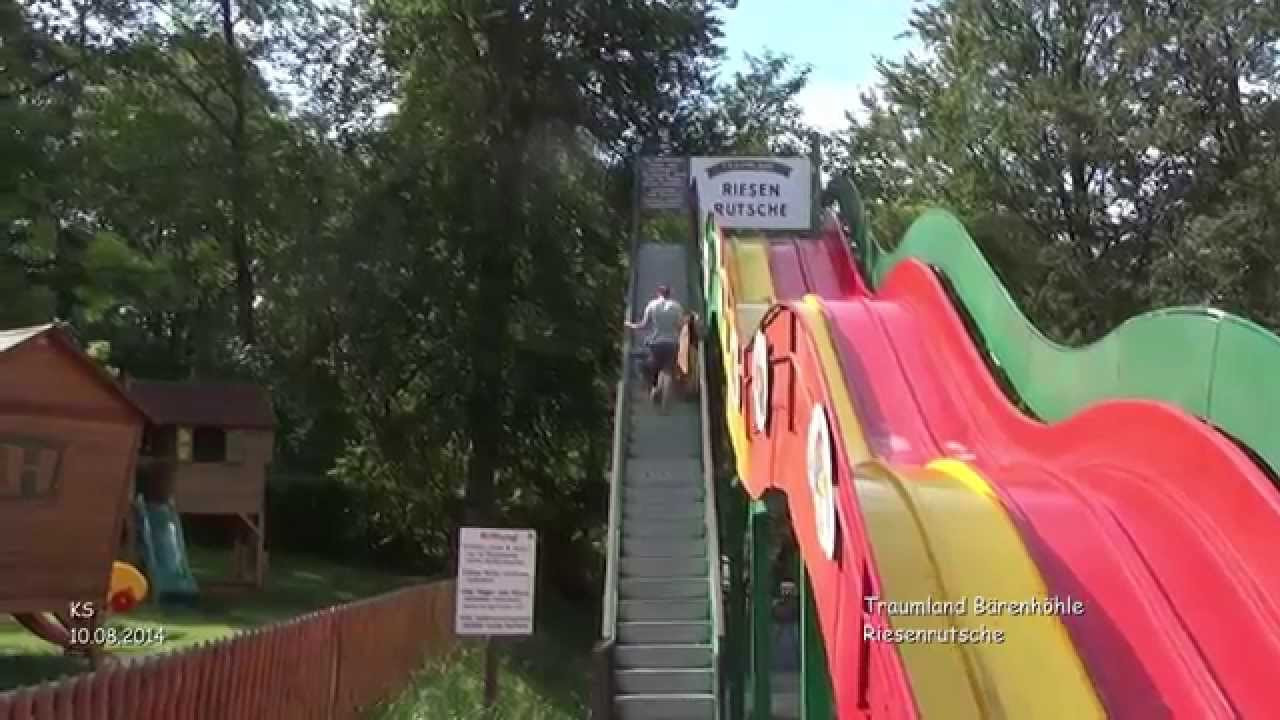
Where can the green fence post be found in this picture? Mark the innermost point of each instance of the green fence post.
(761, 546)
(815, 679)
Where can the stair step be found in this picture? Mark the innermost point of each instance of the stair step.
(662, 446)
(644, 531)
(648, 681)
(654, 588)
(665, 512)
(664, 471)
(655, 505)
(688, 515)
(664, 632)
(664, 427)
(643, 497)
(634, 495)
(682, 609)
(691, 565)
(663, 451)
(651, 546)
(692, 512)
(664, 527)
(700, 706)
(662, 656)
(669, 424)
(681, 410)
(650, 468)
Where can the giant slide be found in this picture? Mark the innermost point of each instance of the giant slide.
(1112, 556)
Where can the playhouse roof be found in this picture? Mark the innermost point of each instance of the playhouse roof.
(204, 403)
(12, 339)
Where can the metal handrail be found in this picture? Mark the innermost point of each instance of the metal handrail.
(710, 518)
(609, 622)
(602, 687)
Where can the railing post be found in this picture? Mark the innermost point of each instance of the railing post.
(815, 199)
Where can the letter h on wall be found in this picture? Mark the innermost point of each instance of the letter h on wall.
(30, 467)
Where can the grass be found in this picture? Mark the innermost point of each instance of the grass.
(295, 585)
(543, 677)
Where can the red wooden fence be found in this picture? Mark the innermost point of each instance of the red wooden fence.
(328, 665)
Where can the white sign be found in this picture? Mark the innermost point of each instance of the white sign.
(822, 481)
(496, 570)
(755, 192)
(664, 183)
(760, 380)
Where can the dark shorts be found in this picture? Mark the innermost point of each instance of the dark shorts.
(662, 356)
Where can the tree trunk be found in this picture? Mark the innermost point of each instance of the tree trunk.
(490, 339)
(495, 277)
(240, 254)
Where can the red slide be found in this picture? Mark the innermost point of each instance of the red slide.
(1161, 525)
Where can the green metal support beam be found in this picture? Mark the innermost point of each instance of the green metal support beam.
(732, 504)
(816, 701)
(760, 548)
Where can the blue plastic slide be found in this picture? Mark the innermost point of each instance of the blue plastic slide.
(164, 551)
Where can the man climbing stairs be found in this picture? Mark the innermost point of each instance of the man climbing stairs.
(664, 640)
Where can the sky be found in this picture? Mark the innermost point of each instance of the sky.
(840, 39)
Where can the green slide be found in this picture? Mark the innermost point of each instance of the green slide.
(1214, 365)
(164, 551)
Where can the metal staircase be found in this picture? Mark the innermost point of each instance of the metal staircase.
(659, 656)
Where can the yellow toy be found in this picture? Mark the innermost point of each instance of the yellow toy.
(128, 588)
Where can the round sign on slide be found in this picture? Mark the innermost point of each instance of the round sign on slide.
(822, 480)
(760, 380)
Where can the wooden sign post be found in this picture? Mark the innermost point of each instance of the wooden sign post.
(497, 570)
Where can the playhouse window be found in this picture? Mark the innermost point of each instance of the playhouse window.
(160, 441)
(209, 445)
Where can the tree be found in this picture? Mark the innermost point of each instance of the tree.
(1102, 130)
(757, 112)
(55, 259)
(518, 96)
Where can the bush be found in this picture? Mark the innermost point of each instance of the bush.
(330, 518)
(312, 514)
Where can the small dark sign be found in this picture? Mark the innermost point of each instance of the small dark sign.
(30, 467)
(664, 183)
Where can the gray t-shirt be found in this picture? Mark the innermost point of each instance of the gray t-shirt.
(664, 316)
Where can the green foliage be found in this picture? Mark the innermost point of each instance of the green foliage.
(758, 112)
(540, 676)
(453, 688)
(408, 218)
(1103, 153)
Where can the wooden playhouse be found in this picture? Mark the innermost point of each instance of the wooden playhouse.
(207, 446)
(69, 439)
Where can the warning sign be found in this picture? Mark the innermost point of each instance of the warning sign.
(664, 183)
(496, 571)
